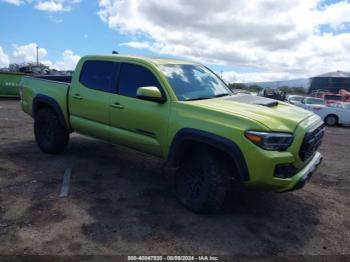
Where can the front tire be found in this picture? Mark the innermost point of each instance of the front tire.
(201, 182)
(50, 135)
(331, 120)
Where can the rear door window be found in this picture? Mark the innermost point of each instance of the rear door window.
(99, 75)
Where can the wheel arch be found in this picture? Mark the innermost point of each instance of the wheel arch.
(41, 101)
(187, 137)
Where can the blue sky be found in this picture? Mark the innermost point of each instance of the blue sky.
(80, 30)
(264, 41)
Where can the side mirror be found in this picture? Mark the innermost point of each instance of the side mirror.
(150, 93)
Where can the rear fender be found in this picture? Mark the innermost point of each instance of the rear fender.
(40, 101)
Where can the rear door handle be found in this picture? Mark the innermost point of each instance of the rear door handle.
(117, 105)
(77, 96)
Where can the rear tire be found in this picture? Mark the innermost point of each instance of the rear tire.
(331, 120)
(50, 134)
(201, 182)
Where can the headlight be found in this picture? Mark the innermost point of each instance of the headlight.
(270, 140)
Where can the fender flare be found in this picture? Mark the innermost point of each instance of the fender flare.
(221, 143)
(52, 103)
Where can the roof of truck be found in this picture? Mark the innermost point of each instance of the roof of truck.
(149, 59)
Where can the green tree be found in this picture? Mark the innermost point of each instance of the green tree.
(250, 88)
(237, 86)
(292, 90)
(254, 88)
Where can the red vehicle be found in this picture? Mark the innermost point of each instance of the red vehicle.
(345, 94)
(330, 98)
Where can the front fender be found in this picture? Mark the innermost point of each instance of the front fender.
(225, 145)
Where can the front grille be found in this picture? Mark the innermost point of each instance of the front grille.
(311, 143)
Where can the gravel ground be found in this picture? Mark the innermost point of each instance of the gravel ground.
(121, 202)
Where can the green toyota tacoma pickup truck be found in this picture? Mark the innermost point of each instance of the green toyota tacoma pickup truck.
(181, 112)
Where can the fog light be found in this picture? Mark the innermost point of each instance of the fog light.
(285, 171)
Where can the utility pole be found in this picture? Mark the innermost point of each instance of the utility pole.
(37, 55)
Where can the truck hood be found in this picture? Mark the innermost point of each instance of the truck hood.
(275, 115)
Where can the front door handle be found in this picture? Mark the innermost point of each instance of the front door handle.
(117, 105)
(77, 96)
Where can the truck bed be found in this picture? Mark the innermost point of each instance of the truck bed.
(9, 83)
(56, 78)
(31, 87)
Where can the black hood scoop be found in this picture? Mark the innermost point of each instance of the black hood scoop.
(255, 100)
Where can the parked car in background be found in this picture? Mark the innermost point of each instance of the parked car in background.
(345, 94)
(334, 114)
(308, 102)
(332, 98)
(273, 94)
(329, 97)
(292, 99)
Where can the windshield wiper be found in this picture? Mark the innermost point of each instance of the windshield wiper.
(208, 97)
(198, 98)
(223, 94)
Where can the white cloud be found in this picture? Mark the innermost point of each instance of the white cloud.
(248, 77)
(280, 38)
(336, 15)
(68, 62)
(46, 5)
(4, 58)
(27, 53)
(13, 2)
(139, 45)
(51, 6)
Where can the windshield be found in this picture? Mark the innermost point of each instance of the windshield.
(332, 97)
(194, 82)
(296, 98)
(314, 101)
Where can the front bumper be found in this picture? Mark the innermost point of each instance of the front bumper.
(265, 179)
(304, 175)
(262, 163)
